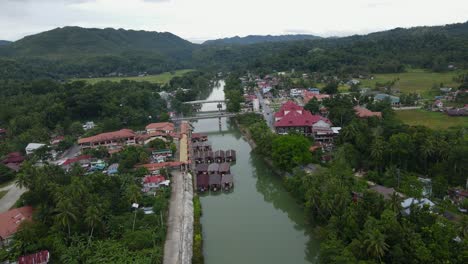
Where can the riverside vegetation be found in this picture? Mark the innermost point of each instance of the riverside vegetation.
(371, 229)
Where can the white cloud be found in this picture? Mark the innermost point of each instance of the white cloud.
(206, 19)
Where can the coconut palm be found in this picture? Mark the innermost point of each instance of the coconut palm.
(65, 214)
(375, 244)
(93, 216)
(377, 151)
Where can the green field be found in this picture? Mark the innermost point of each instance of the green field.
(419, 81)
(162, 78)
(434, 120)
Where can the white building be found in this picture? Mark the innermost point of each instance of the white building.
(31, 147)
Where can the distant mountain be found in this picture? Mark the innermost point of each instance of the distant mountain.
(98, 52)
(254, 39)
(4, 42)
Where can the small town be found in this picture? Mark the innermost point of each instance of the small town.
(122, 145)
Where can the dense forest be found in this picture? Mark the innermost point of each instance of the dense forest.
(73, 51)
(254, 39)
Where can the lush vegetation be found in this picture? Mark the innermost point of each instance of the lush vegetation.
(364, 227)
(434, 120)
(33, 111)
(369, 229)
(254, 39)
(89, 219)
(162, 78)
(197, 232)
(80, 52)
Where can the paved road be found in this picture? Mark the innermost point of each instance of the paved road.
(71, 152)
(11, 197)
(179, 239)
(267, 112)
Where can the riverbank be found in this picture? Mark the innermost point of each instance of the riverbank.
(197, 257)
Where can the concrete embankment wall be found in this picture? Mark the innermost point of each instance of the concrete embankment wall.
(187, 233)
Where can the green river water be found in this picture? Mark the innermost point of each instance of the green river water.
(258, 222)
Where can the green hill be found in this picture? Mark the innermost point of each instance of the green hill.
(4, 42)
(254, 39)
(75, 51)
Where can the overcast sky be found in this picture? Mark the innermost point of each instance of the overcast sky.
(198, 20)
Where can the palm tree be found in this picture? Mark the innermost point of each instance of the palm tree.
(65, 214)
(426, 150)
(93, 216)
(395, 203)
(377, 152)
(24, 178)
(375, 244)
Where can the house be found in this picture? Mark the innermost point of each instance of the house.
(165, 127)
(295, 92)
(224, 168)
(445, 89)
(363, 112)
(199, 137)
(152, 182)
(230, 155)
(203, 182)
(89, 125)
(394, 100)
(13, 158)
(113, 169)
(41, 257)
(10, 222)
(156, 167)
(406, 204)
(219, 156)
(84, 161)
(353, 82)
(438, 103)
(31, 147)
(109, 140)
(314, 90)
(56, 140)
(213, 168)
(294, 118)
(215, 182)
(201, 168)
(457, 112)
(227, 181)
(307, 96)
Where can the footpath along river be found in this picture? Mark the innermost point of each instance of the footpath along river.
(259, 221)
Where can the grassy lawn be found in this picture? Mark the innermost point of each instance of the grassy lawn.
(162, 78)
(415, 80)
(434, 120)
(2, 193)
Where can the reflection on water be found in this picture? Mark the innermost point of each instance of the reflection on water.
(258, 222)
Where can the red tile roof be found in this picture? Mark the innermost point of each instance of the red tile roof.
(123, 133)
(163, 126)
(364, 112)
(157, 166)
(154, 179)
(297, 119)
(40, 257)
(73, 160)
(309, 95)
(14, 157)
(10, 220)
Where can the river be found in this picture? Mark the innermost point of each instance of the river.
(258, 222)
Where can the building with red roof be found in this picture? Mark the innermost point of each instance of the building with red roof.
(13, 157)
(151, 167)
(10, 222)
(41, 257)
(165, 127)
(308, 95)
(363, 112)
(152, 182)
(110, 140)
(294, 118)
